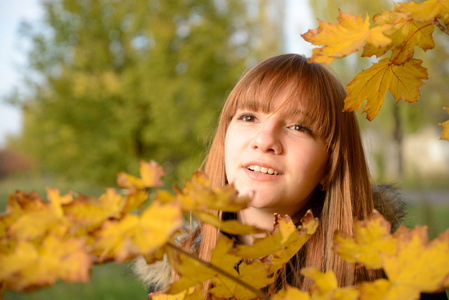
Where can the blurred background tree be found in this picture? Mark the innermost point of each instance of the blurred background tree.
(112, 82)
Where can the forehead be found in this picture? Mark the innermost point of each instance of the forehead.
(287, 100)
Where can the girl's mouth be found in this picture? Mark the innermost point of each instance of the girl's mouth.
(262, 170)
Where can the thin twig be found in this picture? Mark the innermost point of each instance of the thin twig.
(221, 272)
(441, 27)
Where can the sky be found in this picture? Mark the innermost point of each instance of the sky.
(12, 55)
(11, 13)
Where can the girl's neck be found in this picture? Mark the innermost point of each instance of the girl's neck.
(256, 217)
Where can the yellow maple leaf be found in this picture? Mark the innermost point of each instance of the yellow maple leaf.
(19, 203)
(445, 133)
(371, 238)
(325, 286)
(375, 290)
(403, 81)
(418, 266)
(228, 280)
(33, 266)
(138, 235)
(87, 213)
(285, 241)
(425, 11)
(229, 226)
(36, 224)
(405, 33)
(150, 174)
(291, 293)
(134, 199)
(255, 274)
(191, 294)
(198, 195)
(346, 37)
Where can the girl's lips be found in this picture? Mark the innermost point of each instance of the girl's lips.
(262, 168)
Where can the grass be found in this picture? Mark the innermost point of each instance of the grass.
(108, 282)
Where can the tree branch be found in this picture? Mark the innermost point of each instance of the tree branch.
(441, 27)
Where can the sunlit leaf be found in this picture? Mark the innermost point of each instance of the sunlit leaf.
(198, 195)
(133, 200)
(138, 235)
(346, 37)
(285, 241)
(326, 287)
(291, 293)
(371, 238)
(36, 224)
(425, 11)
(403, 81)
(229, 226)
(255, 274)
(191, 294)
(418, 265)
(88, 212)
(40, 265)
(150, 173)
(377, 289)
(405, 33)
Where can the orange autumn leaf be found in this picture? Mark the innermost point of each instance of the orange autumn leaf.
(285, 241)
(372, 84)
(404, 32)
(277, 249)
(291, 293)
(31, 266)
(37, 223)
(445, 133)
(87, 213)
(133, 200)
(325, 286)
(427, 10)
(339, 40)
(191, 294)
(417, 266)
(197, 194)
(371, 238)
(19, 203)
(375, 290)
(219, 270)
(229, 226)
(150, 174)
(138, 235)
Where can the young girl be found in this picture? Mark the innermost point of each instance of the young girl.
(283, 140)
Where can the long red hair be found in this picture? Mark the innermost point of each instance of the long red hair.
(346, 194)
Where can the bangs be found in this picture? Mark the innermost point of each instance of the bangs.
(296, 91)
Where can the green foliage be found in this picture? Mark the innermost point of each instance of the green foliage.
(112, 82)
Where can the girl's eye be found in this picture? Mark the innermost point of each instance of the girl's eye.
(300, 128)
(247, 117)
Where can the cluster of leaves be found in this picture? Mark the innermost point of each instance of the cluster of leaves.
(44, 241)
(395, 32)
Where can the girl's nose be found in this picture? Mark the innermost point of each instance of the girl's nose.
(267, 139)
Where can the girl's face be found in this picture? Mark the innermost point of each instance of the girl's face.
(274, 158)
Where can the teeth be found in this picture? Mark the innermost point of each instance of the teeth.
(263, 170)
